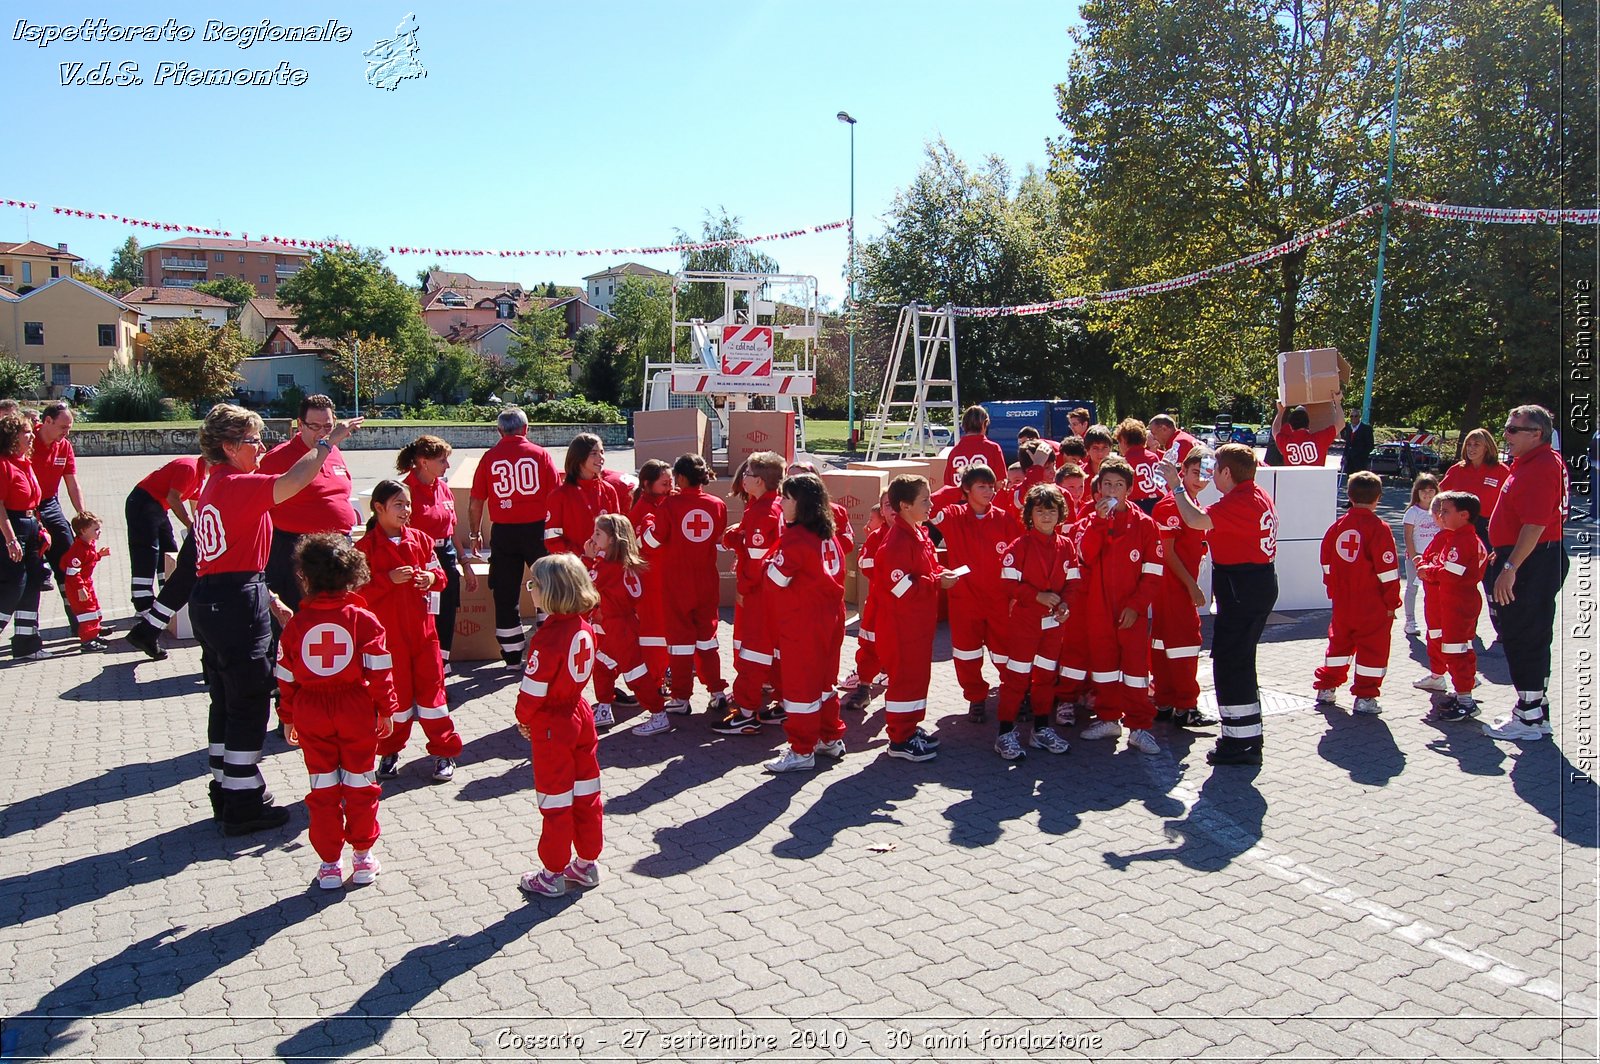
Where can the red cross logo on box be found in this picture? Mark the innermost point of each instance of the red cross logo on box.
(697, 526)
(327, 649)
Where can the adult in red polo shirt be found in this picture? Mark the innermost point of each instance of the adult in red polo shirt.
(974, 448)
(54, 464)
(1173, 443)
(325, 506)
(233, 609)
(1242, 533)
(1291, 431)
(1479, 472)
(514, 480)
(149, 530)
(22, 565)
(1527, 567)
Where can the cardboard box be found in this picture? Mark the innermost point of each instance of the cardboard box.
(727, 588)
(1315, 376)
(1323, 415)
(752, 431)
(858, 491)
(666, 434)
(474, 638)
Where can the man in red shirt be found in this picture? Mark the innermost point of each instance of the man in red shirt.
(1242, 533)
(1297, 443)
(55, 464)
(1167, 436)
(1527, 567)
(514, 479)
(325, 506)
(165, 491)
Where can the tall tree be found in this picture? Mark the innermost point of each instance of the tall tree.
(541, 354)
(370, 361)
(640, 328)
(235, 290)
(344, 290)
(196, 362)
(705, 300)
(127, 265)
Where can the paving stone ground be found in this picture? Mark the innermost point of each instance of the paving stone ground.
(1381, 889)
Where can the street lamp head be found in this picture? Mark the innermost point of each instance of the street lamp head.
(844, 116)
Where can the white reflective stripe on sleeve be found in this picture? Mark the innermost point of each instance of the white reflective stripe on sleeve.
(598, 630)
(1389, 577)
(911, 705)
(1455, 648)
(554, 533)
(636, 672)
(902, 587)
(1074, 574)
(72, 570)
(867, 637)
(1156, 644)
(650, 537)
(1368, 670)
(1130, 680)
(432, 712)
(377, 661)
(533, 687)
(588, 786)
(756, 656)
(1327, 570)
(1010, 574)
(283, 674)
(404, 715)
(1151, 568)
(1017, 665)
(1455, 567)
(682, 650)
(866, 563)
(358, 779)
(802, 709)
(706, 644)
(1183, 652)
(966, 655)
(1049, 621)
(605, 659)
(1105, 677)
(757, 553)
(323, 780)
(1337, 663)
(1042, 662)
(554, 801)
(1235, 731)
(778, 578)
(1074, 674)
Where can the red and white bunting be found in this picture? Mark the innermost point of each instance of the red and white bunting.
(1501, 215)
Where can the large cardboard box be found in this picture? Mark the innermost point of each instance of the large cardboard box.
(857, 490)
(1315, 376)
(1323, 415)
(666, 434)
(751, 431)
(474, 638)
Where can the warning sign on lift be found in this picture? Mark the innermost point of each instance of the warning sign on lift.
(746, 350)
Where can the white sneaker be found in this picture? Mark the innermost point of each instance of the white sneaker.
(1412, 629)
(1067, 714)
(1009, 747)
(1047, 738)
(834, 749)
(1368, 707)
(851, 682)
(1102, 729)
(789, 761)
(444, 769)
(1143, 741)
(1327, 696)
(1512, 728)
(331, 875)
(603, 717)
(365, 868)
(1432, 681)
(654, 724)
(678, 707)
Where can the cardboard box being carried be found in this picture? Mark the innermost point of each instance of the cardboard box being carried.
(1315, 376)
(666, 434)
(751, 431)
(1323, 415)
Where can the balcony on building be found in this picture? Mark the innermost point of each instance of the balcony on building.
(288, 269)
(184, 264)
(181, 282)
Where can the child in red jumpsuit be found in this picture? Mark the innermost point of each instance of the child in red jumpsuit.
(616, 569)
(755, 646)
(655, 484)
(553, 716)
(1452, 571)
(976, 533)
(336, 700)
(687, 531)
(1131, 439)
(404, 593)
(1175, 632)
(583, 495)
(807, 578)
(1362, 574)
(1043, 584)
(1122, 561)
(1073, 689)
(868, 671)
(77, 565)
(906, 581)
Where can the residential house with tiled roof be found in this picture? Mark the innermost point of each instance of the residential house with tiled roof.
(286, 360)
(71, 331)
(163, 305)
(602, 286)
(259, 316)
(187, 261)
(29, 264)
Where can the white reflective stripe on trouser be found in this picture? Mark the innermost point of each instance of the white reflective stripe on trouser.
(432, 712)
(652, 641)
(636, 672)
(746, 654)
(1368, 670)
(1454, 648)
(1235, 713)
(912, 705)
(252, 782)
(1019, 666)
(358, 779)
(1183, 652)
(323, 780)
(682, 650)
(1337, 663)
(1105, 677)
(801, 709)
(503, 634)
(554, 801)
(159, 615)
(240, 757)
(1435, 633)
(1130, 680)
(95, 616)
(589, 786)
(1248, 731)
(706, 644)
(966, 655)
(144, 581)
(404, 715)
(1074, 674)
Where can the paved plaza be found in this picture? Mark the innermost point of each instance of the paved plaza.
(1383, 888)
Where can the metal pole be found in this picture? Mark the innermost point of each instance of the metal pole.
(355, 371)
(1383, 226)
(852, 288)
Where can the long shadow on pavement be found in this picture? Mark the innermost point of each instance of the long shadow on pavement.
(1540, 775)
(413, 978)
(1362, 746)
(114, 785)
(1224, 823)
(118, 683)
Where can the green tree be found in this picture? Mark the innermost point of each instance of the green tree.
(96, 277)
(455, 373)
(704, 300)
(594, 352)
(235, 290)
(541, 354)
(18, 379)
(344, 290)
(370, 361)
(196, 362)
(127, 264)
(640, 330)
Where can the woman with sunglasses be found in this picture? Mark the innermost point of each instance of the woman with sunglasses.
(232, 609)
(22, 565)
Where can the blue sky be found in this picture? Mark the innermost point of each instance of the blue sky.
(539, 125)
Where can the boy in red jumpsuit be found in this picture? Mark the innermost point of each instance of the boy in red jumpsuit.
(976, 534)
(1121, 553)
(906, 581)
(1362, 575)
(1131, 439)
(77, 566)
(754, 540)
(687, 531)
(553, 716)
(858, 685)
(1040, 569)
(1175, 633)
(336, 700)
(1452, 571)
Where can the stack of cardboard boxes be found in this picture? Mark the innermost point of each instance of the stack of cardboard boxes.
(1313, 379)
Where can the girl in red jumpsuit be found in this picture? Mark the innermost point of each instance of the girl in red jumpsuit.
(336, 700)
(807, 577)
(858, 685)
(655, 484)
(1122, 557)
(404, 593)
(583, 495)
(753, 541)
(1175, 628)
(1452, 571)
(616, 570)
(553, 716)
(1043, 584)
(77, 565)
(687, 531)
(906, 581)
(976, 533)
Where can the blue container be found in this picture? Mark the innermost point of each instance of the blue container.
(1060, 427)
(1005, 418)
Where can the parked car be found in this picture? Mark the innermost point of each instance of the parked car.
(1206, 434)
(1403, 459)
(80, 394)
(1244, 434)
(932, 436)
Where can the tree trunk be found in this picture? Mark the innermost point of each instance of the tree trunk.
(1471, 410)
(1291, 271)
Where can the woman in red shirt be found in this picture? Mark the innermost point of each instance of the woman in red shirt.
(232, 609)
(1480, 473)
(23, 569)
(582, 496)
(424, 461)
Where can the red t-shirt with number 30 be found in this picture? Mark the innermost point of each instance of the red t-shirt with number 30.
(514, 480)
(1244, 527)
(232, 522)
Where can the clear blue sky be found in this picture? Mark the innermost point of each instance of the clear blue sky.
(539, 124)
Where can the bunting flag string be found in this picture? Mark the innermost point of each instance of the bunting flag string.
(1501, 215)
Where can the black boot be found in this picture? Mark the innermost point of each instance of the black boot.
(216, 801)
(1235, 753)
(246, 812)
(145, 638)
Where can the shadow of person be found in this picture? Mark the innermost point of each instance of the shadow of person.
(696, 843)
(164, 965)
(411, 980)
(1540, 775)
(702, 757)
(1363, 746)
(117, 682)
(114, 785)
(1224, 823)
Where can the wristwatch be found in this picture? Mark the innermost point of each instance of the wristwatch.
(325, 443)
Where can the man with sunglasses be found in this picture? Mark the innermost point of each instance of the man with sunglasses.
(326, 506)
(1527, 567)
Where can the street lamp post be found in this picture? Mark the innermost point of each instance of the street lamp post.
(850, 305)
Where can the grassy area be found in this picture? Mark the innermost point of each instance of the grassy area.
(824, 436)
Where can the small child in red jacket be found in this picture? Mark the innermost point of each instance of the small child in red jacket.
(77, 564)
(755, 644)
(1452, 575)
(857, 686)
(1362, 574)
(976, 533)
(617, 571)
(336, 700)
(553, 716)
